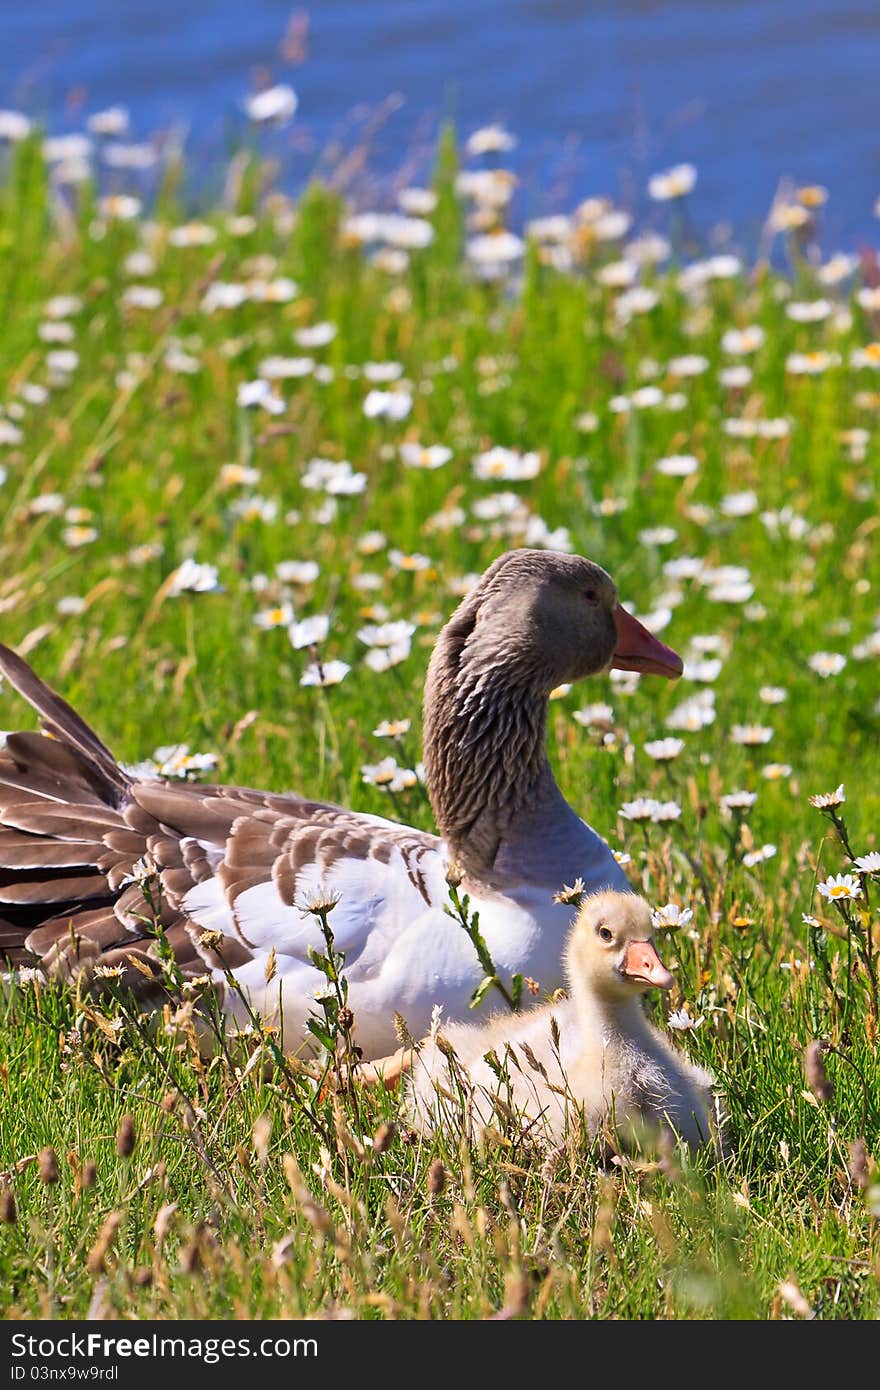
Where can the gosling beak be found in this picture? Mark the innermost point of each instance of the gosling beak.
(639, 650)
(642, 964)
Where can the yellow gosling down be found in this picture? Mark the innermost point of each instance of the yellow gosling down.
(592, 1060)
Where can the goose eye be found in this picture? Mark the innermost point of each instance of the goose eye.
(591, 596)
(605, 934)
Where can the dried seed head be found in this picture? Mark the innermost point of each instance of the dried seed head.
(162, 1224)
(532, 1059)
(603, 1228)
(345, 1019)
(47, 1167)
(516, 1297)
(271, 966)
(506, 1198)
(814, 1071)
(261, 1137)
(169, 1102)
(345, 1139)
(89, 1175)
(789, 1291)
(282, 1251)
(667, 1155)
(125, 1137)
(436, 1178)
(551, 1163)
(8, 1211)
(401, 1032)
(99, 1251)
(382, 1138)
(191, 1254)
(859, 1169)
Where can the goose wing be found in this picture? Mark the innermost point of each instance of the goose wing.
(91, 862)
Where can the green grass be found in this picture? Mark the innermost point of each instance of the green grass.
(297, 1216)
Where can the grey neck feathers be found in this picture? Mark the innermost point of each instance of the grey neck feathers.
(484, 744)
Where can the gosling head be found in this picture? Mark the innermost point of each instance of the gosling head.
(611, 947)
(556, 618)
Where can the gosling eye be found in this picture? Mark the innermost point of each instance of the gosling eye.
(605, 934)
(591, 596)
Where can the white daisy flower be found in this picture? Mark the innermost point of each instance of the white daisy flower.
(389, 405)
(677, 466)
(681, 1022)
(640, 810)
(275, 105)
(325, 674)
(663, 750)
(827, 664)
(841, 887)
(195, 578)
(751, 735)
(308, 632)
(758, 856)
(671, 917)
(823, 801)
(672, 183)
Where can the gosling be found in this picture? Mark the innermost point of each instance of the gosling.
(592, 1059)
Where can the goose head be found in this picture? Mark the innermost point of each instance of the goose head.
(611, 949)
(536, 619)
(548, 618)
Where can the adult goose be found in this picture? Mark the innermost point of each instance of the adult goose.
(89, 856)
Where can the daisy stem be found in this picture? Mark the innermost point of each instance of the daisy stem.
(343, 1021)
(842, 833)
(460, 912)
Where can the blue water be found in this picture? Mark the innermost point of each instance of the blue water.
(599, 94)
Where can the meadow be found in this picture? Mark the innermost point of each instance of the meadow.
(215, 429)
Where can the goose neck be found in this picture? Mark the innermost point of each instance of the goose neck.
(486, 761)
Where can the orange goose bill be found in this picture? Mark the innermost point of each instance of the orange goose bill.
(639, 650)
(643, 965)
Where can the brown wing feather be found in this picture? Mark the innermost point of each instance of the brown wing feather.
(60, 769)
(196, 860)
(117, 874)
(187, 809)
(100, 929)
(284, 878)
(177, 883)
(31, 781)
(61, 719)
(50, 889)
(55, 821)
(166, 851)
(20, 851)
